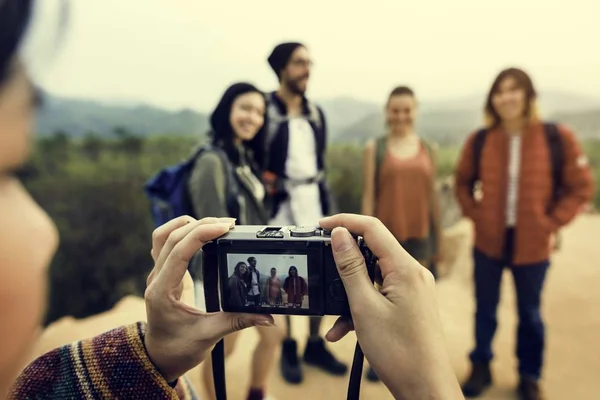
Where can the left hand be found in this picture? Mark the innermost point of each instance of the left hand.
(179, 336)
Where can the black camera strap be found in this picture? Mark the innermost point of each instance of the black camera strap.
(358, 360)
(211, 297)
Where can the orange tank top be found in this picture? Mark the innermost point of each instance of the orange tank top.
(403, 201)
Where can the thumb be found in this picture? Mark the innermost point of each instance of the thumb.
(351, 266)
(224, 323)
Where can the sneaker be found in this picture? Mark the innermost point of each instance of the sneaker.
(372, 375)
(529, 389)
(289, 363)
(316, 354)
(480, 379)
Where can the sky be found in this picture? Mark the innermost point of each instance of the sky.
(184, 53)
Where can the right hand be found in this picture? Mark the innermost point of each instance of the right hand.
(398, 327)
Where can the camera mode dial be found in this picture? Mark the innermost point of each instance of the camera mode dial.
(303, 231)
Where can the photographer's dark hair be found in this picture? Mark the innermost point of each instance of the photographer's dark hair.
(524, 82)
(222, 133)
(15, 16)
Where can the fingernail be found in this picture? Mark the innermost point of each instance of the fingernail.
(265, 322)
(342, 241)
(324, 219)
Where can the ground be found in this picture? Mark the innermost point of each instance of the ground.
(571, 307)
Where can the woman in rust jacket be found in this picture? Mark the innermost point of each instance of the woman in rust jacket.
(517, 216)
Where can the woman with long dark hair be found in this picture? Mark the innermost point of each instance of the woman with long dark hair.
(516, 159)
(237, 285)
(224, 183)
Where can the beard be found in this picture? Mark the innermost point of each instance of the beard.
(294, 85)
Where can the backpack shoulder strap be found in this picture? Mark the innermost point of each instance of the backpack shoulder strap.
(556, 156)
(478, 143)
(315, 114)
(380, 148)
(431, 149)
(273, 119)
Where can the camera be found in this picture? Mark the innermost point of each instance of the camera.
(279, 270)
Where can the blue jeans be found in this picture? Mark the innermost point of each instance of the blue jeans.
(529, 281)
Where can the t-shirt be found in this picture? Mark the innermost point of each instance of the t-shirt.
(514, 165)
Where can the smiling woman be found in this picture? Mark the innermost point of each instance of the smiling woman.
(532, 183)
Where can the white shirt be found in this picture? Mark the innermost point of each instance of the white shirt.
(514, 167)
(303, 207)
(254, 288)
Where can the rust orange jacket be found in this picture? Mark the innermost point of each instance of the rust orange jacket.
(537, 215)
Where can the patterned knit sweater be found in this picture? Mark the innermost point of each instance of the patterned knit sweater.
(113, 365)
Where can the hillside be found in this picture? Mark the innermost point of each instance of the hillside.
(78, 117)
(451, 121)
(348, 119)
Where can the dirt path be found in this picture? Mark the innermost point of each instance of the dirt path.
(571, 308)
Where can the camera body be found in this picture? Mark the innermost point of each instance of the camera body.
(279, 270)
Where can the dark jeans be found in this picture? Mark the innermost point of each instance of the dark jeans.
(529, 281)
(254, 299)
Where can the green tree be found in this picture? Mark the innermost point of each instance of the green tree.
(92, 146)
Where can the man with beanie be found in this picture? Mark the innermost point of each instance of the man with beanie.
(294, 165)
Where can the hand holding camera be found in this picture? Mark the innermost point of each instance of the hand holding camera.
(179, 336)
(398, 326)
(329, 271)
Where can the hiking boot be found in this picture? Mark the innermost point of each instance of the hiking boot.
(372, 375)
(480, 379)
(316, 354)
(529, 389)
(289, 363)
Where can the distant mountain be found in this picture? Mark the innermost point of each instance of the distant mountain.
(78, 117)
(343, 112)
(348, 119)
(450, 121)
(585, 123)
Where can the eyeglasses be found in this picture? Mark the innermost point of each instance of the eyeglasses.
(299, 62)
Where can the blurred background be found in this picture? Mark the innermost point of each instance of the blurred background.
(130, 88)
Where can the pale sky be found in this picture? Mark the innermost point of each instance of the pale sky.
(184, 53)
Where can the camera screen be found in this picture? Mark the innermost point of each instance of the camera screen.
(268, 280)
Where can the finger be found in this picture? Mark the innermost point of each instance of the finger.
(352, 269)
(378, 238)
(160, 234)
(178, 259)
(340, 328)
(177, 235)
(222, 324)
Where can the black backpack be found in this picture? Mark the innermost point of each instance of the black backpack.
(556, 156)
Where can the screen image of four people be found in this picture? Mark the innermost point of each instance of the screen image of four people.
(247, 287)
